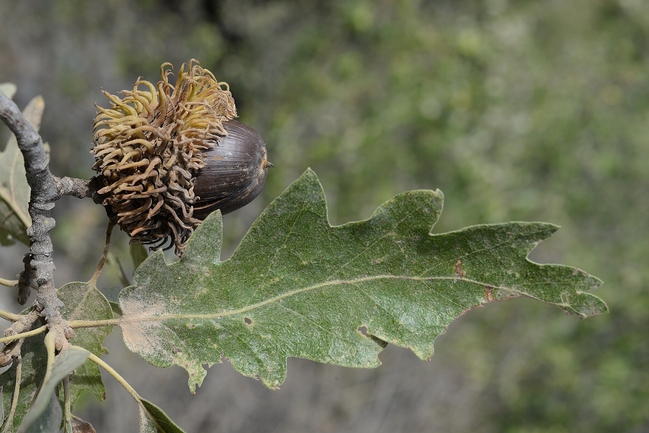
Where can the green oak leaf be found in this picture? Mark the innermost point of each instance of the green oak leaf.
(83, 301)
(14, 190)
(298, 287)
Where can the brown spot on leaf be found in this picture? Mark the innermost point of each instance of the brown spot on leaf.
(248, 321)
(489, 294)
(459, 271)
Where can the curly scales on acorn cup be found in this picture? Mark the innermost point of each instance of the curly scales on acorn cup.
(168, 155)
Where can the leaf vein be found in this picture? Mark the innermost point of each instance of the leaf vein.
(273, 261)
(308, 319)
(378, 304)
(390, 232)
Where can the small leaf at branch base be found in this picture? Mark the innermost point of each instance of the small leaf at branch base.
(8, 89)
(46, 410)
(298, 287)
(14, 190)
(84, 302)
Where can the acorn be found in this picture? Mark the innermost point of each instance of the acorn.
(234, 173)
(169, 155)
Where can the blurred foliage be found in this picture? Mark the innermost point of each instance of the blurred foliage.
(530, 110)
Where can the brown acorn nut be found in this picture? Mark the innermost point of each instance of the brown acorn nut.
(234, 173)
(151, 146)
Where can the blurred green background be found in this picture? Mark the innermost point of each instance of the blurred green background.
(517, 110)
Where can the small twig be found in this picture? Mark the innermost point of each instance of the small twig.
(109, 231)
(22, 323)
(13, 344)
(14, 336)
(26, 278)
(79, 188)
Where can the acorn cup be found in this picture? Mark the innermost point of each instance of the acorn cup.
(169, 155)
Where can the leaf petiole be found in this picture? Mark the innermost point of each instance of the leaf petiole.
(9, 316)
(156, 418)
(97, 360)
(93, 323)
(51, 353)
(24, 334)
(104, 254)
(94, 358)
(14, 401)
(8, 283)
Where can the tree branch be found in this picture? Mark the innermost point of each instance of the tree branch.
(79, 188)
(45, 190)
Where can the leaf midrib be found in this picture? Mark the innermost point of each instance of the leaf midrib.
(219, 315)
